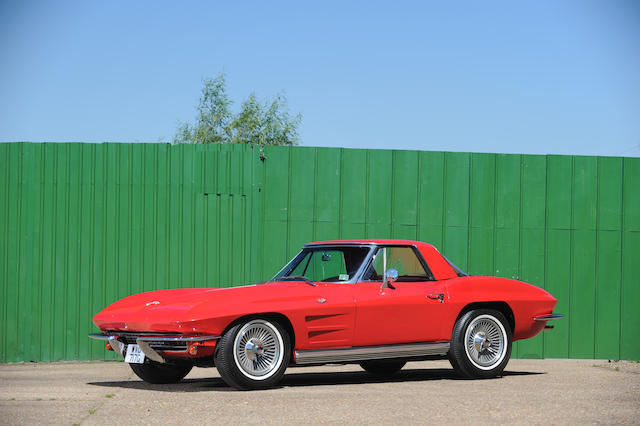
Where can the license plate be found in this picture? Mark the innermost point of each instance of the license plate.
(134, 355)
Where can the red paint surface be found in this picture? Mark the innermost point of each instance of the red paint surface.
(358, 314)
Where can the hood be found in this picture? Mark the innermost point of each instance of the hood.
(186, 309)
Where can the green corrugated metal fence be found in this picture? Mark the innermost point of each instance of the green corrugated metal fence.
(82, 225)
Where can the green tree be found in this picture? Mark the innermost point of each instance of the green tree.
(257, 123)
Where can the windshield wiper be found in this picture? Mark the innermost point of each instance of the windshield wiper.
(297, 278)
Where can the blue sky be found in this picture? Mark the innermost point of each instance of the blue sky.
(560, 77)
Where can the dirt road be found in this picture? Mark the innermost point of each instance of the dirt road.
(532, 391)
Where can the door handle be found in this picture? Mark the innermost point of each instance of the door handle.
(437, 296)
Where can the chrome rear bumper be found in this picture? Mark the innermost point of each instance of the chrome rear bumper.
(548, 317)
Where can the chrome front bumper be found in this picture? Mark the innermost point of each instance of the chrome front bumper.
(151, 344)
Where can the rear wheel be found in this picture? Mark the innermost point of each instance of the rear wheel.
(382, 367)
(480, 344)
(253, 354)
(153, 372)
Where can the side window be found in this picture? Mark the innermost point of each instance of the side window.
(327, 265)
(403, 259)
(323, 265)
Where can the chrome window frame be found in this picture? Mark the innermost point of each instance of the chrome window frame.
(416, 252)
(356, 277)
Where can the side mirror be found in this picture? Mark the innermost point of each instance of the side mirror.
(391, 275)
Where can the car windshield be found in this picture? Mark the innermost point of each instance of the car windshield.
(329, 264)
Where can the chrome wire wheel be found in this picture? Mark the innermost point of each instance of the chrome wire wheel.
(258, 349)
(484, 342)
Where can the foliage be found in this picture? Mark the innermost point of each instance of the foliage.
(256, 123)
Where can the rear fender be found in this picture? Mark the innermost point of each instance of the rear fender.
(499, 306)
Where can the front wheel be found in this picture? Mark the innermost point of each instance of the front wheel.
(153, 372)
(480, 344)
(253, 354)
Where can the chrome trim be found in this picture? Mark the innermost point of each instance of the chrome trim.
(390, 276)
(362, 353)
(485, 341)
(100, 336)
(357, 277)
(416, 251)
(149, 352)
(258, 350)
(152, 338)
(548, 317)
(368, 259)
(340, 244)
(385, 284)
(436, 296)
(117, 346)
(176, 339)
(146, 340)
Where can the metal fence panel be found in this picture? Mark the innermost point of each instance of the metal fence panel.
(82, 225)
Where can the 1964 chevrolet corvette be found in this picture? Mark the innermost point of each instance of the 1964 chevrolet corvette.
(378, 303)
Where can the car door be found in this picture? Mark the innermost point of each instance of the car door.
(407, 311)
(326, 318)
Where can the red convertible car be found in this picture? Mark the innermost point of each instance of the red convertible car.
(378, 303)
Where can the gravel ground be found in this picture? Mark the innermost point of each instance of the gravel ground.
(531, 392)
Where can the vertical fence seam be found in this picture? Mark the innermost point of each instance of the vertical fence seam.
(470, 156)
(596, 266)
(545, 276)
(622, 238)
(41, 250)
(571, 253)
(444, 202)
(5, 260)
(58, 200)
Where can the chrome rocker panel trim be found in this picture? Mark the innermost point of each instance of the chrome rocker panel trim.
(548, 317)
(363, 353)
